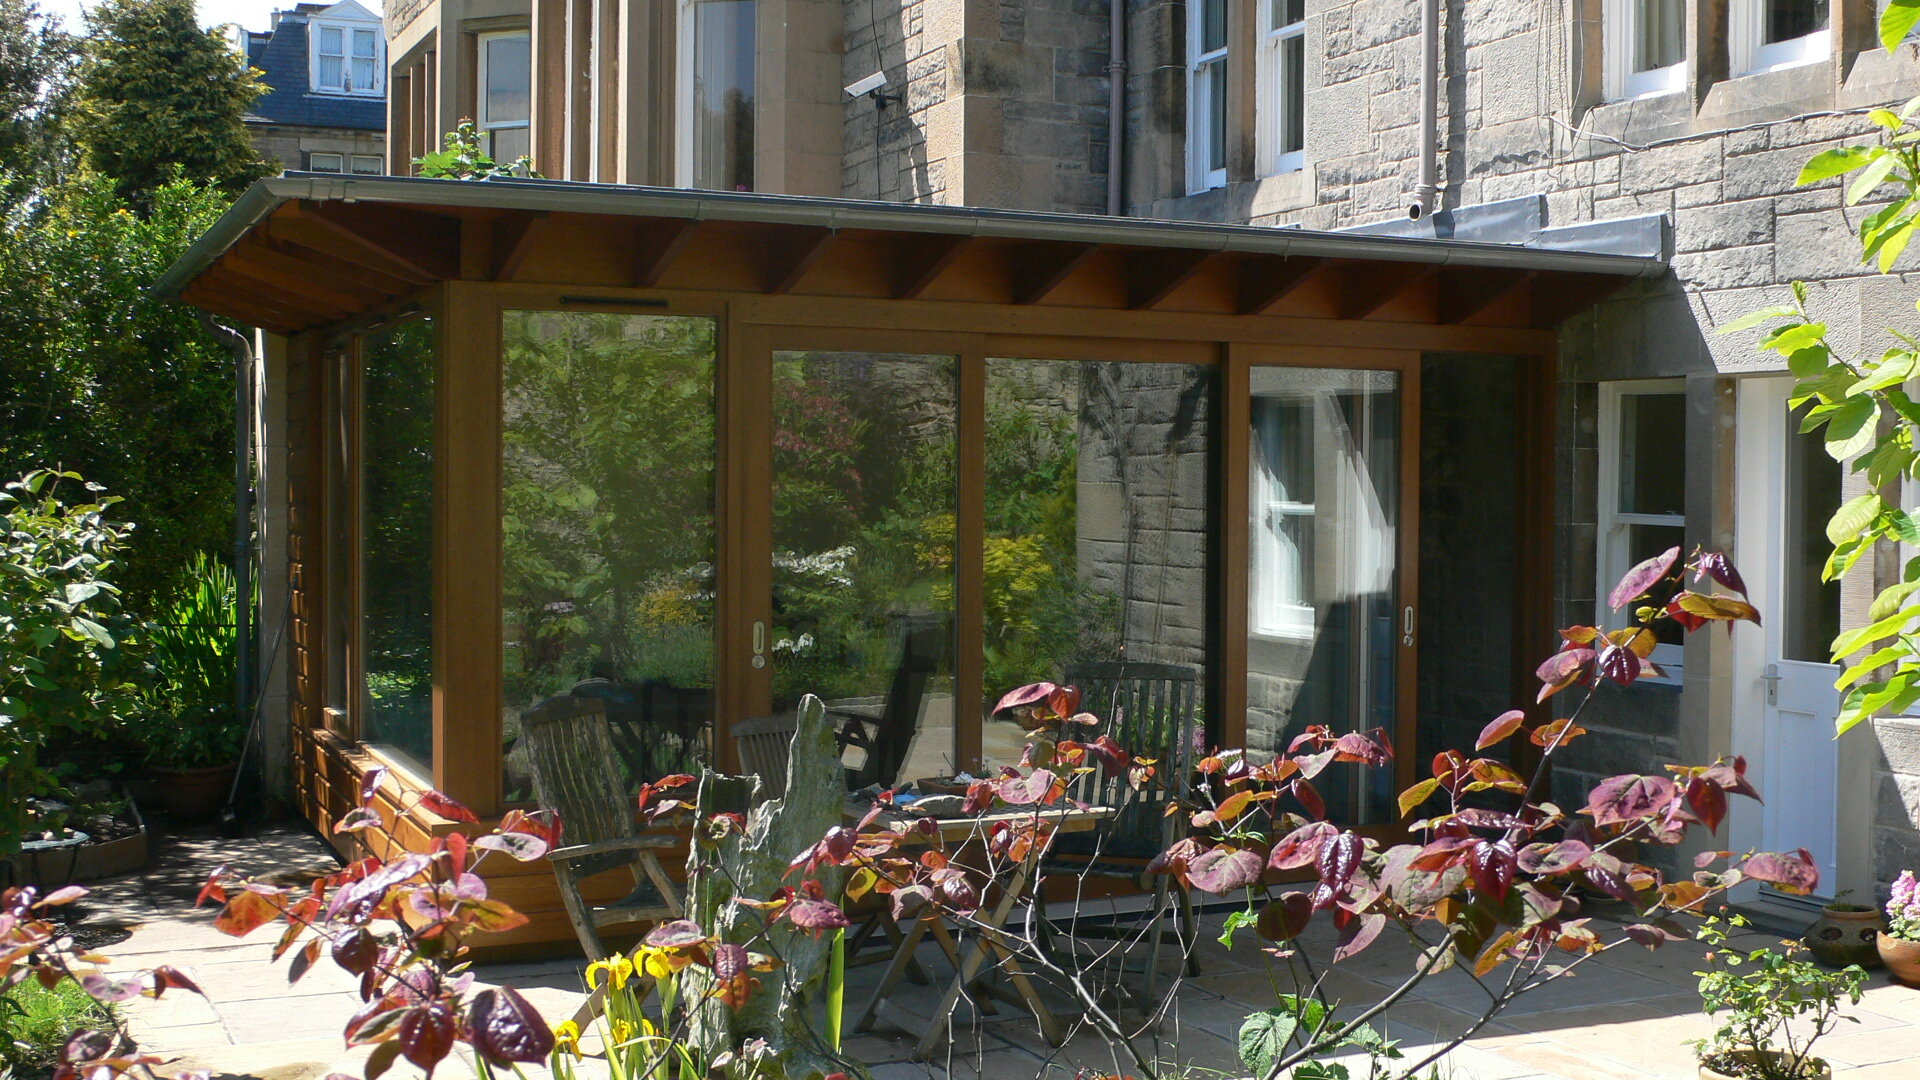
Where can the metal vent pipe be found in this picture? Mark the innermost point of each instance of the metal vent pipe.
(1426, 193)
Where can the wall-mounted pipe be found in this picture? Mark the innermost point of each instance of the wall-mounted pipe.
(1426, 193)
(242, 352)
(1116, 103)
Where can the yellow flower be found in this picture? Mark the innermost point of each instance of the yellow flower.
(657, 963)
(622, 1032)
(566, 1038)
(619, 969)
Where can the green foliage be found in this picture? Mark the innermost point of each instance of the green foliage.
(63, 668)
(462, 157)
(35, 59)
(157, 93)
(1298, 1023)
(190, 720)
(107, 381)
(35, 1023)
(1772, 1000)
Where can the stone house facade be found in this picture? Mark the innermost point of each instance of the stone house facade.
(1680, 120)
(313, 116)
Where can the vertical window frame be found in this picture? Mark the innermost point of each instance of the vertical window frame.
(1278, 89)
(1620, 28)
(316, 32)
(1613, 557)
(1200, 103)
(315, 162)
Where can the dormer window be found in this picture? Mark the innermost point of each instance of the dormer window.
(346, 58)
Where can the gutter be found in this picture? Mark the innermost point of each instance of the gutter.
(558, 196)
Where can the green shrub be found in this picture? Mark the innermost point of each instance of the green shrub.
(190, 720)
(63, 669)
(35, 1023)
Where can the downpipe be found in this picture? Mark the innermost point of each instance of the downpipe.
(1116, 102)
(242, 351)
(1426, 193)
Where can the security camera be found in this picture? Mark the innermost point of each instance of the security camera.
(867, 85)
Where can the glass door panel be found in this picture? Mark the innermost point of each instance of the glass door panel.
(607, 530)
(1323, 608)
(1099, 483)
(863, 520)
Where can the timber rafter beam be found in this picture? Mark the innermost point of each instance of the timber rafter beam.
(1039, 269)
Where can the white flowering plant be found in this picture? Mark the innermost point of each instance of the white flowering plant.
(1903, 908)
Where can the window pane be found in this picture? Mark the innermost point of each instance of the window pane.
(325, 163)
(1322, 629)
(363, 44)
(1098, 522)
(1658, 34)
(1286, 13)
(1293, 116)
(1213, 25)
(607, 530)
(331, 41)
(368, 165)
(332, 74)
(362, 74)
(863, 530)
(1216, 115)
(723, 89)
(1651, 426)
(509, 144)
(1810, 615)
(396, 528)
(1784, 20)
(1643, 543)
(509, 80)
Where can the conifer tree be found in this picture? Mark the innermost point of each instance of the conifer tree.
(156, 91)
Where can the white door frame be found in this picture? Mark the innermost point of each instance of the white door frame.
(1760, 434)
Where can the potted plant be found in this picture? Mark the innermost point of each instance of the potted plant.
(1773, 1005)
(1899, 943)
(1846, 933)
(192, 732)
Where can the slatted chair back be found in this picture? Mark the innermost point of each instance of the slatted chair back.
(765, 745)
(1149, 709)
(575, 772)
(923, 641)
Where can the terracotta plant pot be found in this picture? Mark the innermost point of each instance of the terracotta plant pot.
(1842, 937)
(1817, 1069)
(1902, 958)
(192, 795)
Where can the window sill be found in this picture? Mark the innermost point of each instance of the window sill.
(369, 95)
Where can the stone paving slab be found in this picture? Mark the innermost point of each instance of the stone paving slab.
(1624, 1016)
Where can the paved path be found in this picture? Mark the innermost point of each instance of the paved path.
(1624, 1017)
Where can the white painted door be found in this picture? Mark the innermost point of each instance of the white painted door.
(1799, 702)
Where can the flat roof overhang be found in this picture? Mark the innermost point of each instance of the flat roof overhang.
(306, 250)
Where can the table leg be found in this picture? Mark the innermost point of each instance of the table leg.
(896, 969)
(970, 967)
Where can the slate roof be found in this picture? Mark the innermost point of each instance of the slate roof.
(282, 55)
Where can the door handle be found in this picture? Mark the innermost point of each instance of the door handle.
(1772, 680)
(759, 644)
(1406, 626)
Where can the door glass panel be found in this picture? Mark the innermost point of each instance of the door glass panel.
(863, 534)
(1810, 615)
(1098, 521)
(396, 528)
(1322, 607)
(607, 529)
(722, 84)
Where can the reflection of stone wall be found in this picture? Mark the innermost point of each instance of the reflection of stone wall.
(1144, 490)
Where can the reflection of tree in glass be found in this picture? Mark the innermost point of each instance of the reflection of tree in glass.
(397, 380)
(607, 501)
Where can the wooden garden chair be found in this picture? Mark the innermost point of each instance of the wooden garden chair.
(576, 774)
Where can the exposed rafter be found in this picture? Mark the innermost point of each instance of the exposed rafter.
(656, 244)
(1571, 295)
(1468, 291)
(790, 256)
(923, 260)
(425, 242)
(1154, 276)
(1372, 286)
(1041, 268)
(1265, 282)
(251, 261)
(513, 238)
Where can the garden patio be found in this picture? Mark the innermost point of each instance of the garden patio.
(1626, 1019)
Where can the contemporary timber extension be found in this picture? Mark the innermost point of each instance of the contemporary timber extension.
(705, 452)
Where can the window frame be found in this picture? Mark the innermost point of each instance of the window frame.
(1282, 619)
(1748, 55)
(1620, 25)
(314, 165)
(354, 161)
(1612, 558)
(686, 71)
(347, 27)
(1200, 100)
(1275, 91)
(486, 124)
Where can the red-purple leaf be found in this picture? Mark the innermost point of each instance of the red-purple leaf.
(303, 961)
(446, 806)
(910, 901)
(1794, 872)
(1550, 859)
(1630, 798)
(370, 783)
(1622, 665)
(816, 916)
(730, 961)
(1502, 726)
(1562, 670)
(838, 843)
(1358, 934)
(506, 1029)
(518, 845)
(979, 797)
(356, 951)
(110, 990)
(1651, 936)
(1635, 583)
(64, 895)
(1224, 869)
(426, 1035)
(167, 977)
(1026, 695)
(1338, 858)
(1608, 882)
(360, 817)
(1491, 864)
(1716, 565)
(958, 893)
(1309, 797)
(1301, 847)
(1708, 801)
(1286, 918)
(677, 934)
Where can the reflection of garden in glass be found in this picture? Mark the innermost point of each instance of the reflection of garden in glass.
(396, 513)
(863, 529)
(607, 526)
